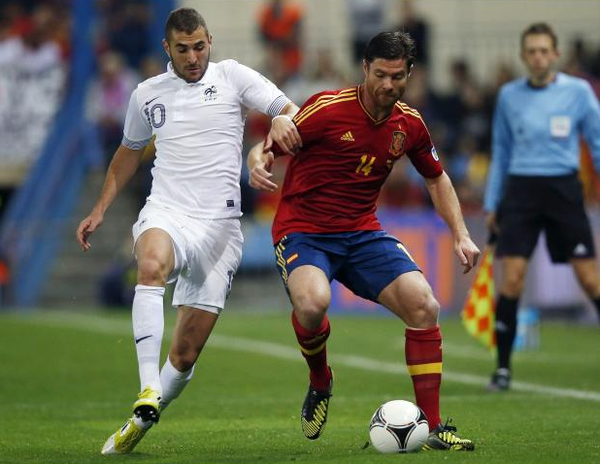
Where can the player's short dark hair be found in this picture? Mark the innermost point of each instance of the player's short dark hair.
(391, 46)
(184, 20)
(540, 28)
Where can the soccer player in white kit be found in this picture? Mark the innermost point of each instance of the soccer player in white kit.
(189, 229)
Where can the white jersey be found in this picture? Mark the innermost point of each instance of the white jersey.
(199, 129)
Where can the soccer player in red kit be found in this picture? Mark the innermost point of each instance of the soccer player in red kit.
(325, 227)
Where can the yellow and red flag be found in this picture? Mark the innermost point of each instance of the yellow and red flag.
(479, 312)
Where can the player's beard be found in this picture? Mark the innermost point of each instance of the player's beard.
(388, 99)
(203, 67)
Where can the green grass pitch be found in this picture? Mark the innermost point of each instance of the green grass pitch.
(67, 382)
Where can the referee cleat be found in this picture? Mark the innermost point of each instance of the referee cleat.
(500, 380)
(127, 437)
(443, 438)
(147, 406)
(314, 411)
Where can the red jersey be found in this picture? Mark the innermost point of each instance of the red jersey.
(332, 183)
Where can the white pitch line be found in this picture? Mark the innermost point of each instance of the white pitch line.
(99, 324)
(277, 350)
(457, 350)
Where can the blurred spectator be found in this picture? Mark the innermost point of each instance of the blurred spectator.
(504, 73)
(462, 107)
(108, 99)
(578, 59)
(418, 29)
(61, 30)
(4, 280)
(595, 66)
(475, 122)
(367, 18)
(150, 67)
(17, 16)
(6, 41)
(275, 67)
(280, 25)
(468, 169)
(322, 75)
(41, 51)
(580, 63)
(117, 284)
(32, 78)
(420, 95)
(127, 24)
(33, 51)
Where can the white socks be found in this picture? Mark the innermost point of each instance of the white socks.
(148, 328)
(142, 424)
(173, 382)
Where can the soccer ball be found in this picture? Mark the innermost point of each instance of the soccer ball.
(398, 427)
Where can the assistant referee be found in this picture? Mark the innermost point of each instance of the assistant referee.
(533, 182)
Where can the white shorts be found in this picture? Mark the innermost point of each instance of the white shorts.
(207, 255)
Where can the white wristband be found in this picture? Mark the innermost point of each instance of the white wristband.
(281, 116)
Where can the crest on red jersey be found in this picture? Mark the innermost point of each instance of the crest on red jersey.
(397, 145)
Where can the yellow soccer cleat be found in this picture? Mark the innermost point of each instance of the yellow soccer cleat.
(146, 412)
(147, 406)
(126, 438)
(314, 411)
(444, 438)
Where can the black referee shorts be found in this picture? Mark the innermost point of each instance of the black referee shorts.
(552, 204)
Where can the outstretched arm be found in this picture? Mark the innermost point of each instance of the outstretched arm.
(122, 167)
(284, 132)
(260, 157)
(259, 165)
(447, 205)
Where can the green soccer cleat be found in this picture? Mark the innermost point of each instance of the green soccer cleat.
(147, 406)
(146, 412)
(126, 438)
(314, 411)
(443, 438)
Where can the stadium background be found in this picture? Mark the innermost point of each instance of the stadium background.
(52, 167)
(68, 365)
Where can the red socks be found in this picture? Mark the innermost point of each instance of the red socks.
(313, 346)
(423, 358)
(423, 351)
